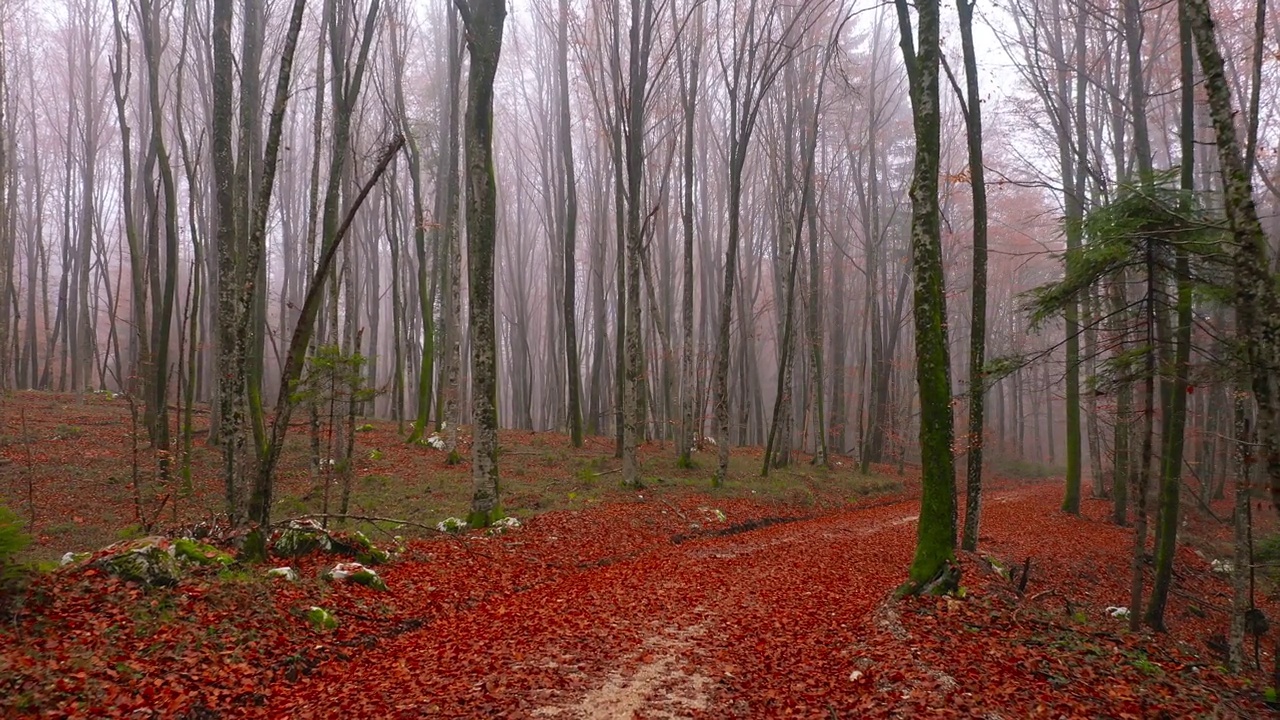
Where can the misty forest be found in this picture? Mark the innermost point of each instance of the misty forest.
(639, 358)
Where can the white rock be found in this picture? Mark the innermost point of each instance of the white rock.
(1116, 611)
(342, 571)
(357, 573)
(855, 676)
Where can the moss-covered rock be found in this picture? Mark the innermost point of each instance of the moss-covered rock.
(359, 546)
(301, 537)
(321, 619)
(150, 561)
(504, 525)
(71, 558)
(356, 573)
(285, 572)
(199, 553)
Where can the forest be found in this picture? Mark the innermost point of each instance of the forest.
(961, 317)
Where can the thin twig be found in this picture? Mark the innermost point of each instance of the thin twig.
(674, 509)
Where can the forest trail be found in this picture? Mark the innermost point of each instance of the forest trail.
(759, 622)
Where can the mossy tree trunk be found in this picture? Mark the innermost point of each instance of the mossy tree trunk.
(932, 570)
(1256, 303)
(640, 40)
(483, 20)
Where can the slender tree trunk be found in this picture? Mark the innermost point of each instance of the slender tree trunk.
(1241, 601)
(1093, 429)
(1074, 191)
(1123, 470)
(570, 233)
(978, 323)
(687, 439)
(1175, 400)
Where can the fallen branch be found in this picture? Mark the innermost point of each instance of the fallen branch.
(363, 518)
(373, 520)
(674, 509)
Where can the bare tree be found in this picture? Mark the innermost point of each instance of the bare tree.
(483, 20)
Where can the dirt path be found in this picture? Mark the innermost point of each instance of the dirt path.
(756, 623)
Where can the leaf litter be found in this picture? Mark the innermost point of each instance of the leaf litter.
(601, 613)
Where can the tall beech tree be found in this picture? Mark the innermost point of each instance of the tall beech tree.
(932, 569)
(483, 20)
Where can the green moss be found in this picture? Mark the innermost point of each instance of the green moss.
(130, 532)
(199, 553)
(359, 545)
(369, 578)
(477, 519)
(321, 619)
(452, 525)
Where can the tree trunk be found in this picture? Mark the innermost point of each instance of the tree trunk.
(932, 570)
(687, 439)
(483, 20)
(978, 311)
(1256, 304)
(1175, 400)
(570, 233)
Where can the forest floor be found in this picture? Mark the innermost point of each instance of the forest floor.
(768, 598)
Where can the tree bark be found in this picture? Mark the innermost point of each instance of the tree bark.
(483, 20)
(932, 570)
(978, 323)
(1256, 304)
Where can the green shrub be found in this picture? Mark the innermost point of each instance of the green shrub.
(13, 540)
(1267, 550)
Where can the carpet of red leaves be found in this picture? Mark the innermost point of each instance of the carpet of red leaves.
(646, 607)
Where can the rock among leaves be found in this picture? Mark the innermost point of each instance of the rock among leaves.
(302, 537)
(321, 619)
(356, 573)
(154, 561)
